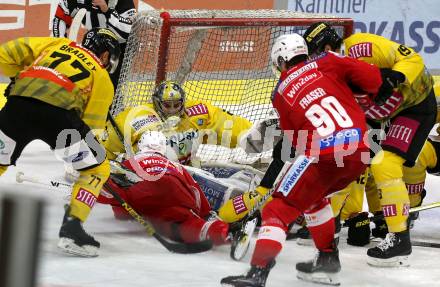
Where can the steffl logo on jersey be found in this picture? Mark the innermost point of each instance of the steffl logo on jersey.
(361, 50)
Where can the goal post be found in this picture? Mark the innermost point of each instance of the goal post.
(219, 56)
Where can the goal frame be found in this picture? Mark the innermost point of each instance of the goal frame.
(169, 22)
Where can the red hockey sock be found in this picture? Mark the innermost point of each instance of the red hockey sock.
(269, 244)
(323, 235)
(321, 224)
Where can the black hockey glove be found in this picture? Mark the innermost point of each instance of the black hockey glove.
(390, 80)
(121, 180)
(359, 230)
(9, 87)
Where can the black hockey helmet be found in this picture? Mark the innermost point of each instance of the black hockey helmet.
(98, 40)
(320, 34)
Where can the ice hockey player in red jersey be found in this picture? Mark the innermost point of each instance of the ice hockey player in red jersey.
(318, 111)
(167, 196)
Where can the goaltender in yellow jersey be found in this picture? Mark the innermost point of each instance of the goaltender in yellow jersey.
(184, 122)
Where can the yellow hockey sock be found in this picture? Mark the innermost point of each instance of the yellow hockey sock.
(387, 170)
(3, 169)
(86, 190)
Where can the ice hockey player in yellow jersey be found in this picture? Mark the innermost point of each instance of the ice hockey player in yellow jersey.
(184, 122)
(406, 105)
(414, 178)
(61, 95)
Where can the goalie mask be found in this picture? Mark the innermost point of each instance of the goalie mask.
(169, 99)
(320, 34)
(100, 40)
(152, 142)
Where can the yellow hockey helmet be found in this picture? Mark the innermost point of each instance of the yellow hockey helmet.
(169, 99)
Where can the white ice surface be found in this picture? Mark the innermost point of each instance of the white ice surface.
(129, 258)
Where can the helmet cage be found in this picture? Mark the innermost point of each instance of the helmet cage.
(169, 91)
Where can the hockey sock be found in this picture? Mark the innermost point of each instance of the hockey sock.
(3, 169)
(86, 190)
(269, 243)
(276, 216)
(395, 204)
(321, 225)
(387, 169)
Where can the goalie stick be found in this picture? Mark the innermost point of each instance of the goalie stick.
(76, 24)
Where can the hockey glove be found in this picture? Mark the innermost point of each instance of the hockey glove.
(359, 230)
(390, 80)
(215, 230)
(9, 87)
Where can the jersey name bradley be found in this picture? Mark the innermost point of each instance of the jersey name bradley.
(83, 56)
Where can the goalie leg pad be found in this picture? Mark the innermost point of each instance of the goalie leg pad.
(215, 192)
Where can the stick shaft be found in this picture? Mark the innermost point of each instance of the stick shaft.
(76, 24)
(21, 177)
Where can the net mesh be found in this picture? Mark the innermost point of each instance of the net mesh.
(226, 63)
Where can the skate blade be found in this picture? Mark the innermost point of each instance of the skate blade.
(68, 246)
(397, 261)
(305, 242)
(320, 277)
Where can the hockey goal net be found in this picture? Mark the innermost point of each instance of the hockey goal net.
(220, 56)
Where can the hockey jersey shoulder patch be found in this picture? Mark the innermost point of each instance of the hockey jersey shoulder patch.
(196, 110)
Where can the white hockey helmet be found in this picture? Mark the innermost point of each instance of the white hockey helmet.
(286, 47)
(152, 141)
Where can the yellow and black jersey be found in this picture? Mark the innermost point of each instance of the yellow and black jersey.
(61, 73)
(200, 121)
(385, 53)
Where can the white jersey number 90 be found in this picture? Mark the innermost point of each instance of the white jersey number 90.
(319, 116)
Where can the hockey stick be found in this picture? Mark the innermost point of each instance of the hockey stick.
(76, 24)
(241, 240)
(425, 244)
(184, 248)
(21, 177)
(411, 210)
(175, 247)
